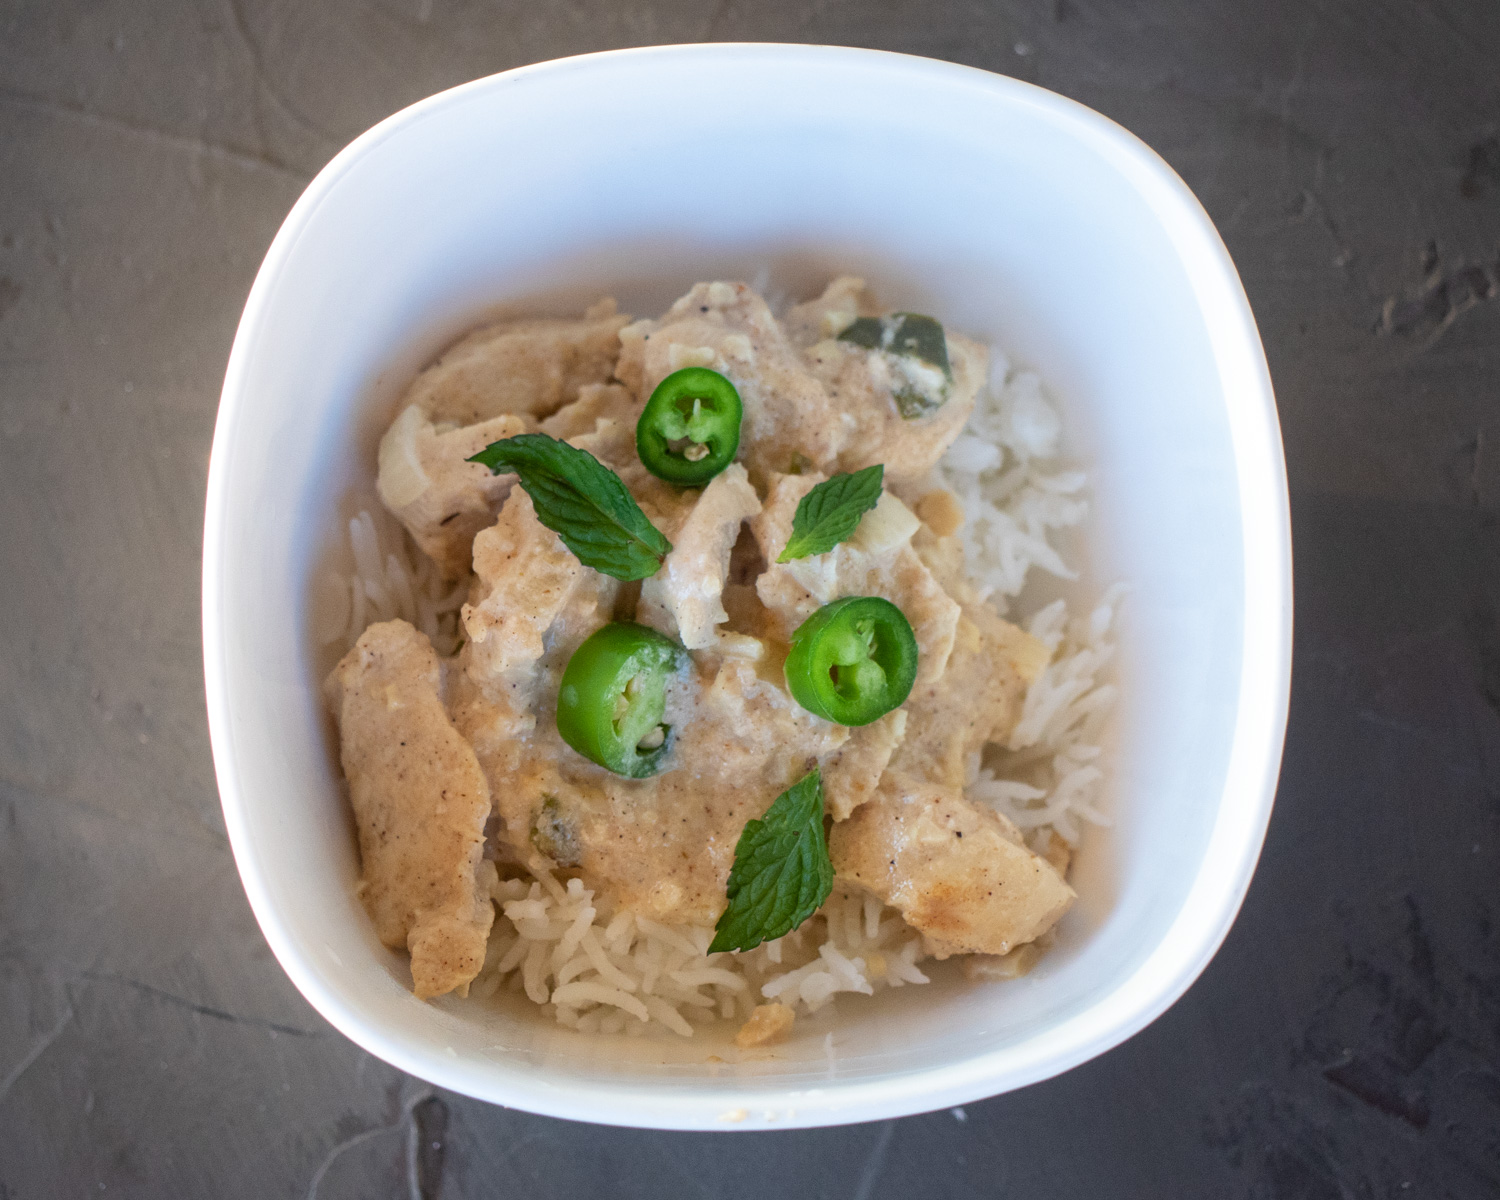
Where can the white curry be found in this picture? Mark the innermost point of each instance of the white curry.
(455, 766)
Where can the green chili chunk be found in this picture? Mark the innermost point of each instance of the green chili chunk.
(853, 661)
(916, 339)
(690, 429)
(613, 698)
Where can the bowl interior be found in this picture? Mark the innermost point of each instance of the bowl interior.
(1011, 214)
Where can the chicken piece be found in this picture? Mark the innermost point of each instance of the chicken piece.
(789, 417)
(958, 873)
(427, 483)
(978, 700)
(525, 576)
(890, 568)
(596, 402)
(768, 1023)
(944, 557)
(685, 598)
(612, 441)
(853, 772)
(420, 803)
(491, 715)
(532, 366)
(864, 384)
(532, 604)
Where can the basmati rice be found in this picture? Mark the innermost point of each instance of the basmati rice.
(391, 579)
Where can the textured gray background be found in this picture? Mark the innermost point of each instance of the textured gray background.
(1344, 1043)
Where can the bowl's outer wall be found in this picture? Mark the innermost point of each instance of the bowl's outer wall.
(1013, 214)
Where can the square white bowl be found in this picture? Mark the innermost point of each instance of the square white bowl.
(1014, 215)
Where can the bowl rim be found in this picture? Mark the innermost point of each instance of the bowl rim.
(1233, 846)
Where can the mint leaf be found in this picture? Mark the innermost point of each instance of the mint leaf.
(781, 873)
(583, 502)
(831, 511)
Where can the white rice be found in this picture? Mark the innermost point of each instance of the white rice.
(596, 970)
(1014, 494)
(391, 579)
(599, 971)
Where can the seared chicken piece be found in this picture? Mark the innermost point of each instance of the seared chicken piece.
(789, 417)
(532, 366)
(882, 565)
(852, 773)
(978, 699)
(957, 872)
(420, 803)
(684, 599)
(442, 499)
(864, 382)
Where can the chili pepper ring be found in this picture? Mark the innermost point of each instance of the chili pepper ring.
(613, 697)
(690, 429)
(853, 661)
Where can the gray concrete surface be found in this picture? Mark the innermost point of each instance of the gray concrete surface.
(1346, 1041)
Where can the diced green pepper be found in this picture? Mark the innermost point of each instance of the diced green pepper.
(921, 337)
(907, 335)
(554, 835)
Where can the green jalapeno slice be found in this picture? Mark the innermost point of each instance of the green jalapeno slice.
(613, 697)
(853, 661)
(690, 429)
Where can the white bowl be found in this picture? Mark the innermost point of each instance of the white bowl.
(1012, 213)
